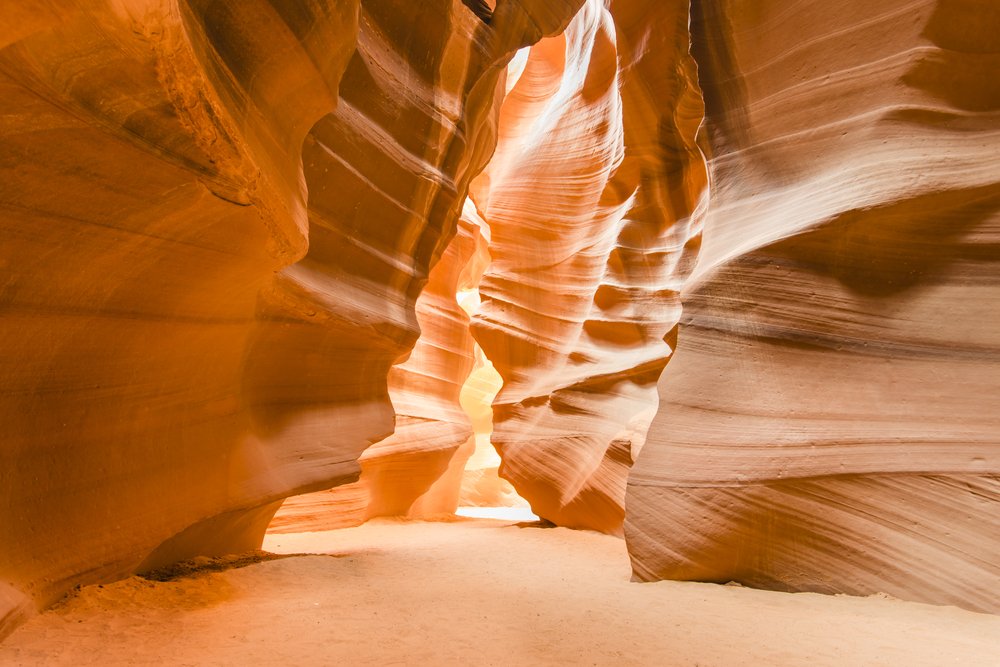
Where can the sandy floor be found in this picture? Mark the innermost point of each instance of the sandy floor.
(480, 592)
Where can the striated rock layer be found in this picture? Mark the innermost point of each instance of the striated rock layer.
(829, 421)
(590, 199)
(216, 218)
(416, 472)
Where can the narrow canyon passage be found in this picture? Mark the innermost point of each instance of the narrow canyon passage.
(478, 313)
(480, 592)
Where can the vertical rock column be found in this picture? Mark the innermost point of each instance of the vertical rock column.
(830, 420)
(591, 200)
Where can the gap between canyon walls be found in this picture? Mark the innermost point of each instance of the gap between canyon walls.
(441, 393)
(592, 202)
(481, 485)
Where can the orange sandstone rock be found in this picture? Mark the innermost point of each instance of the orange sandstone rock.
(151, 187)
(415, 472)
(591, 200)
(830, 420)
(216, 220)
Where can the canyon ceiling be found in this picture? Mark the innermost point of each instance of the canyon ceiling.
(738, 265)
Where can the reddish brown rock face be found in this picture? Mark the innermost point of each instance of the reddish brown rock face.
(830, 419)
(217, 218)
(592, 224)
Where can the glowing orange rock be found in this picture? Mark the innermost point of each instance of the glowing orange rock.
(216, 219)
(591, 201)
(415, 472)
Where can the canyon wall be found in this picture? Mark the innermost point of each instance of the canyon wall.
(216, 219)
(590, 200)
(417, 471)
(830, 420)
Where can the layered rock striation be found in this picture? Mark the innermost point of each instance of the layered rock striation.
(591, 200)
(151, 188)
(224, 224)
(829, 421)
(417, 471)
(216, 218)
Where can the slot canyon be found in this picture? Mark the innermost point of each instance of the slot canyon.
(500, 332)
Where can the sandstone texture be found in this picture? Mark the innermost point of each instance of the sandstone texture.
(217, 218)
(255, 249)
(417, 471)
(590, 200)
(831, 419)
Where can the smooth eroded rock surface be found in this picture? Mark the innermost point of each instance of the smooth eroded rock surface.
(830, 420)
(217, 218)
(590, 201)
(417, 471)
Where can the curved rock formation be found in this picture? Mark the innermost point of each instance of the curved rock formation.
(829, 421)
(590, 200)
(216, 219)
(417, 471)
(151, 188)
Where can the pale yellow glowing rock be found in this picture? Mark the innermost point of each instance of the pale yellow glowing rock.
(481, 484)
(831, 419)
(590, 199)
